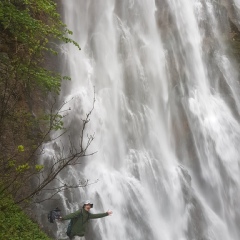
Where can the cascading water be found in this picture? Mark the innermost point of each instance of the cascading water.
(165, 119)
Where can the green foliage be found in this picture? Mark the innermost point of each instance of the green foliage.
(57, 122)
(33, 27)
(11, 163)
(22, 168)
(39, 167)
(15, 225)
(30, 32)
(21, 148)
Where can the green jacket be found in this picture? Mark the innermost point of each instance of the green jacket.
(80, 221)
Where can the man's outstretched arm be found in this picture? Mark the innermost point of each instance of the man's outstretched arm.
(100, 215)
(71, 215)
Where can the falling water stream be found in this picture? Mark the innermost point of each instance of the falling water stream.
(166, 118)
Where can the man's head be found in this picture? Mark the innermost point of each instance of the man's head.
(87, 205)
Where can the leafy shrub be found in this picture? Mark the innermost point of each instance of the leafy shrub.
(15, 225)
(30, 31)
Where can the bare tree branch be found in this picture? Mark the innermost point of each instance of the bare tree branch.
(60, 161)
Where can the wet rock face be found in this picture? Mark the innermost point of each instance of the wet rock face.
(234, 29)
(232, 11)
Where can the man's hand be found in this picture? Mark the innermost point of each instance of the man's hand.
(109, 213)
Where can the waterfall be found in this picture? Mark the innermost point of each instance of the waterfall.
(166, 118)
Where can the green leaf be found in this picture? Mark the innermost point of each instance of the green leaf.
(21, 148)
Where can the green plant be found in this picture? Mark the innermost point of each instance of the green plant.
(15, 224)
(32, 28)
(30, 32)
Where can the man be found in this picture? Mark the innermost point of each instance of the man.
(80, 220)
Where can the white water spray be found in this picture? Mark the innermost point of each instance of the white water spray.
(165, 119)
